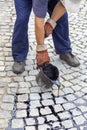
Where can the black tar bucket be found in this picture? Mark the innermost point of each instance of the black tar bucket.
(48, 75)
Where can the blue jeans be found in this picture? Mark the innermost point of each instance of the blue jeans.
(20, 43)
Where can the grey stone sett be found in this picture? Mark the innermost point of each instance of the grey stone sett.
(9, 99)
(24, 90)
(17, 123)
(45, 111)
(21, 114)
(7, 106)
(67, 124)
(35, 104)
(47, 102)
(5, 115)
(34, 96)
(30, 121)
(22, 98)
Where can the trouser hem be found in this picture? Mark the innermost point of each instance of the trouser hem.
(63, 52)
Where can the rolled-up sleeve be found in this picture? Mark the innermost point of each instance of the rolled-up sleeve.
(40, 7)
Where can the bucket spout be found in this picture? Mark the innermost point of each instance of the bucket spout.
(56, 82)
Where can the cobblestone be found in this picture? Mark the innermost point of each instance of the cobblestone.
(34, 104)
(34, 112)
(26, 105)
(46, 96)
(24, 90)
(80, 120)
(17, 123)
(47, 102)
(8, 98)
(21, 113)
(7, 106)
(67, 124)
(51, 118)
(45, 111)
(21, 105)
(44, 127)
(5, 115)
(58, 108)
(22, 98)
(34, 96)
(41, 120)
(30, 121)
(64, 115)
(75, 112)
(3, 123)
(69, 106)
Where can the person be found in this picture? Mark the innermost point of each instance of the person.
(20, 46)
(42, 31)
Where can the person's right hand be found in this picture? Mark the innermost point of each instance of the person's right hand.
(42, 57)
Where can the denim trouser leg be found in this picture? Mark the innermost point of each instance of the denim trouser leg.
(20, 43)
(61, 32)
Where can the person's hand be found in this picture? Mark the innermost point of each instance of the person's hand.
(48, 27)
(42, 58)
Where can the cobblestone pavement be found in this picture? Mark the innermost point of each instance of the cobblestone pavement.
(24, 105)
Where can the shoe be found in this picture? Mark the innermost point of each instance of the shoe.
(70, 59)
(18, 67)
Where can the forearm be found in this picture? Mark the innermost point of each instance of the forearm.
(42, 56)
(39, 30)
(58, 11)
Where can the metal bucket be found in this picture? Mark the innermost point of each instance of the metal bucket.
(48, 75)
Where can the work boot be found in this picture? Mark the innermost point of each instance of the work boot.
(18, 67)
(70, 59)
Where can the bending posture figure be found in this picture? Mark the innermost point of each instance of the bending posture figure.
(20, 42)
(41, 30)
